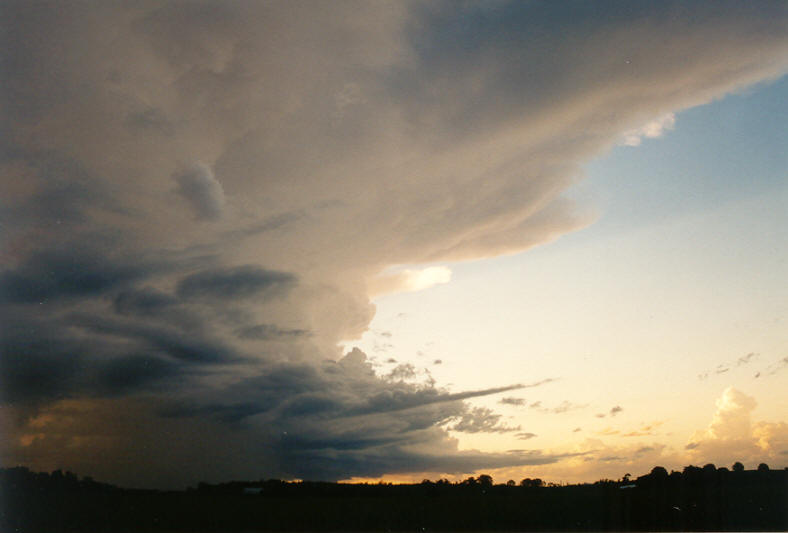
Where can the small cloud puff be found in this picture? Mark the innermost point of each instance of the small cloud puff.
(200, 188)
(652, 130)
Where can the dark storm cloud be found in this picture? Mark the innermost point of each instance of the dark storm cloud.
(186, 346)
(376, 461)
(44, 361)
(134, 372)
(67, 189)
(143, 301)
(348, 144)
(238, 282)
(262, 332)
(39, 365)
(75, 272)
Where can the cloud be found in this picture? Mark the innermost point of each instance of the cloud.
(651, 130)
(63, 272)
(563, 407)
(732, 435)
(143, 301)
(369, 139)
(512, 401)
(262, 332)
(615, 410)
(410, 280)
(238, 282)
(525, 435)
(481, 419)
(722, 368)
(198, 186)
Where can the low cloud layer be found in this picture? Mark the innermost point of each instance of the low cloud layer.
(147, 298)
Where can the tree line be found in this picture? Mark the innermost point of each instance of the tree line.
(697, 499)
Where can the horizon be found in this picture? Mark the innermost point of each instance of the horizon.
(371, 241)
(625, 480)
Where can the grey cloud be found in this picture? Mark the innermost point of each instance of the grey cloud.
(512, 401)
(68, 192)
(525, 435)
(563, 407)
(55, 363)
(182, 345)
(66, 273)
(239, 282)
(153, 120)
(615, 410)
(481, 420)
(144, 301)
(202, 190)
(132, 372)
(339, 154)
(745, 359)
(402, 371)
(262, 332)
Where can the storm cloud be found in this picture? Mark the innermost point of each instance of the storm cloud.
(336, 142)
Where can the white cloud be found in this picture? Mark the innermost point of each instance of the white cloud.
(652, 130)
(410, 280)
(733, 436)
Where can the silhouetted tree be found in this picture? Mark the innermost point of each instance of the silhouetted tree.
(763, 467)
(485, 480)
(659, 472)
(738, 467)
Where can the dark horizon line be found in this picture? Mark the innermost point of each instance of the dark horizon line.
(488, 480)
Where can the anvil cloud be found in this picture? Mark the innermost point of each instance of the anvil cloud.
(199, 199)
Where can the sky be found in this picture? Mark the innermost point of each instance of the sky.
(392, 240)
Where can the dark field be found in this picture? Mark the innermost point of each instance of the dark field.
(695, 499)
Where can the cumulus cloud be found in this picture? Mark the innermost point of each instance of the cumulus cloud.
(367, 137)
(733, 434)
(198, 186)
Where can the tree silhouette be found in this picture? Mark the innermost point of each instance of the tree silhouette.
(485, 480)
(738, 467)
(763, 467)
(659, 472)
